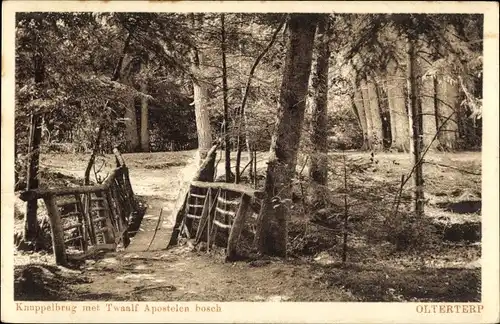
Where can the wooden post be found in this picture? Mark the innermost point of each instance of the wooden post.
(113, 213)
(108, 228)
(88, 218)
(128, 188)
(87, 231)
(109, 233)
(30, 219)
(178, 221)
(128, 208)
(255, 180)
(116, 217)
(179, 210)
(237, 227)
(204, 216)
(56, 230)
(124, 178)
(82, 220)
(188, 222)
(211, 201)
(122, 218)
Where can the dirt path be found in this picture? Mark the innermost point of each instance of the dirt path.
(180, 275)
(160, 189)
(145, 271)
(160, 198)
(155, 274)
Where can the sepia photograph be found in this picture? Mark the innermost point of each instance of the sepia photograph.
(232, 156)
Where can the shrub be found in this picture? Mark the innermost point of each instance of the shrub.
(407, 232)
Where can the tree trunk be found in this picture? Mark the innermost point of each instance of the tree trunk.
(378, 133)
(448, 101)
(144, 119)
(95, 150)
(248, 144)
(131, 129)
(368, 115)
(227, 149)
(415, 117)
(427, 102)
(200, 94)
(131, 134)
(117, 73)
(32, 180)
(360, 111)
(397, 108)
(358, 105)
(318, 170)
(426, 97)
(30, 219)
(392, 114)
(447, 97)
(271, 236)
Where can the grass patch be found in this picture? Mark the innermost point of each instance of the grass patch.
(378, 284)
(44, 282)
(164, 165)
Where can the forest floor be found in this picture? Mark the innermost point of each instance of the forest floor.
(376, 270)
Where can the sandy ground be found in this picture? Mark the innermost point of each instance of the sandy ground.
(146, 271)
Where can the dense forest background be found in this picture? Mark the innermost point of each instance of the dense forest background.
(136, 72)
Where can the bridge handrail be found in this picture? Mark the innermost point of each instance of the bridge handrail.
(118, 204)
(66, 191)
(253, 193)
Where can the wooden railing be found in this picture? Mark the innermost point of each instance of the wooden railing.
(215, 208)
(87, 219)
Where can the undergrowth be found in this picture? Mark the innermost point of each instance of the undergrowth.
(379, 284)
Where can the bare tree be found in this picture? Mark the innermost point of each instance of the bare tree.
(415, 117)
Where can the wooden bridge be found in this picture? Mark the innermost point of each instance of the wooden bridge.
(86, 219)
(215, 209)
